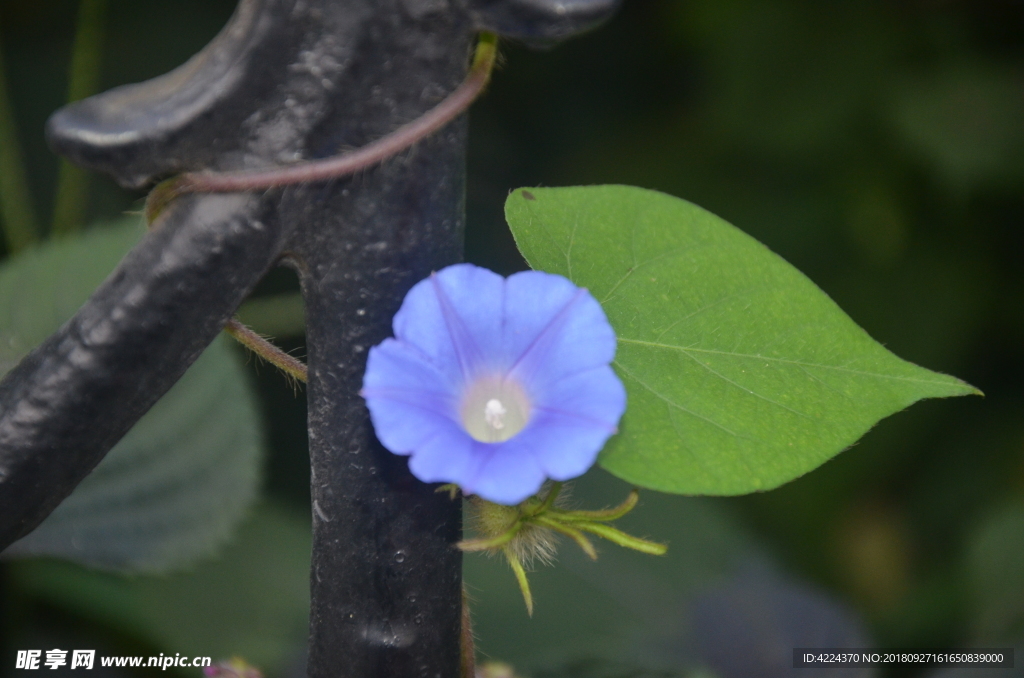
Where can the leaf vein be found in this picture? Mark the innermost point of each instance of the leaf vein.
(675, 404)
(744, 388)
(750, 356)
(705, 308)
(637, 266)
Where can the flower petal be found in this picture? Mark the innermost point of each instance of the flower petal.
(595, 395)
(564, 447)
(573, 423)
(396, 364)
(408, 397)
(403, 426)
(451, 315)
(553, 328)
(448, 456)
(507, 473)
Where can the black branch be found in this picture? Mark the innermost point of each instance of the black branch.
(285, 81)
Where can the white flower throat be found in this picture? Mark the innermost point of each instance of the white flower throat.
(494, 409)
(494, 414)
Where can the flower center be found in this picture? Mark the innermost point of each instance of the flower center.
(494, 410)
(494, 414)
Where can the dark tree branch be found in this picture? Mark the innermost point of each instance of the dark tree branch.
(345, 164)
(66, 404)
(286, 81)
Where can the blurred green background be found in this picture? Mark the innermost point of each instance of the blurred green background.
(877, 145)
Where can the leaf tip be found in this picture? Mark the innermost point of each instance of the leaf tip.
(965, 389)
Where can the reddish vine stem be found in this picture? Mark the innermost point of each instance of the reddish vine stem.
(340, 165)
(330, 168)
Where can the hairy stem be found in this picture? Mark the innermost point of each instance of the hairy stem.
(288, 364)
(549, 500)
(604, 515)
(492, 543)
(622, 539)
(571, 532)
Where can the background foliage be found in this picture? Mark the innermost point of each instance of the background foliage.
(876, 145)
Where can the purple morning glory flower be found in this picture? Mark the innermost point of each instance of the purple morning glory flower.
(496, 384)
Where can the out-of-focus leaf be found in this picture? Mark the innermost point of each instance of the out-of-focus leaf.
(252, 602)
(741, 373)
(42, 287)
(750, 625)
(179, 482)
(176, 485)
(965, 120)
(996, 568)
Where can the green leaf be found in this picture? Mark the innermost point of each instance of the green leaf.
(253, 602)
(741, 373)
(179, 482)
